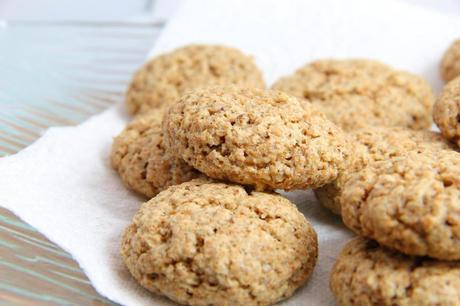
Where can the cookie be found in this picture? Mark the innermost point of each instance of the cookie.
(409, 203)
(165, 78)
(204, 243)
(376, 144)
(256, 137)
(139, 157)
(367, 274)
(446, 113)
(359, 93)
(450, 63)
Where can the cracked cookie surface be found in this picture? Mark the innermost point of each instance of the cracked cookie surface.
(367, 274)
(205, 243)
(165, 78)
(139, 157)
(373, 144)
(409, 203)
(446, 113)
(357, 93)
(450, 63)
(262, 138)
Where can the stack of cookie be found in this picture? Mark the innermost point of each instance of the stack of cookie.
(209, 145)
(404, 202)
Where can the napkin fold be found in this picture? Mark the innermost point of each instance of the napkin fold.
(64, 186)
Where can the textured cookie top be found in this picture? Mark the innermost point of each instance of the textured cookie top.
(203, 243)
(376, 144)
(256, 137)
(139, 157)
(446, 111)
(358, 93)
(165, 78)
(366, 274)
(381, 143)
(408, 203)
(450, 63)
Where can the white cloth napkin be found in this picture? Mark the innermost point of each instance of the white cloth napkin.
(63, 184)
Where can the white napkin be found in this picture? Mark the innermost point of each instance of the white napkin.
(63, 184)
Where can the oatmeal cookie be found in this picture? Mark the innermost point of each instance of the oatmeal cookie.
(205, 243)
(262, 138)
(139, 157)
(357, 93)
(408, 203)
(446, 113)
(165, 78)
(367, 274)
(376, 144)
(450, 63)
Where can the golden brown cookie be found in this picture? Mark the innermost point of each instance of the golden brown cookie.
(262, 138)
(359, 93)
(139, 157)
(446, 111)
(450, 63)
(204, 243)
(366, 274)
(409, 203)
(376, 144)
(165, 78)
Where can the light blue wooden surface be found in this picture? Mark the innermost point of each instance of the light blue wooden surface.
(56, 74)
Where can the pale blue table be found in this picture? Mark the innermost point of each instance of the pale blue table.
(56, 74)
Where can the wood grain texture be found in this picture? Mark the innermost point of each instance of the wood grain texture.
(34, 270)
(86, 73)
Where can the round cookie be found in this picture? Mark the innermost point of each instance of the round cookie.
(359, 93)
(446, 113)
(256, 137)
(165, 78)
(204, 243)
(139, 157)
(450, 63)
(367, 274)
(409, 203)
(376, 144)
